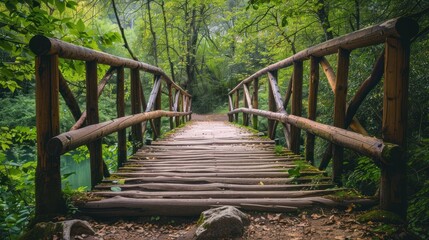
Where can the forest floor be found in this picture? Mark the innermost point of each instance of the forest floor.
(320, 223)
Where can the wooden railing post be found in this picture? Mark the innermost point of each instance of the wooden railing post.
(237, 103)
(340, 110)
(312, 106)
(231, 107)
(296, 108)
(247, 103)
(170, 103)
(393, 195)
(49, 200)
(177, 107)
(157, 106)
(183, 107)
(271, 107)
(95, 150)
(136, 130)
(189, 108)
(120, 108)
(255, 102)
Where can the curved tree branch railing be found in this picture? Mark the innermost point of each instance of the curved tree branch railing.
(393, 63)
(87, 130)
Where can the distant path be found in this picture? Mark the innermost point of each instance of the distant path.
(210, 117)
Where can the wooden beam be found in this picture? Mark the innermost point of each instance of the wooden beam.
(368, 146)
(120, 109)
(312, 106)
(177, 106)
(42, 45)
(136, 107)
(103, 82)
(170, 104)
(247, 104)
(70, 140)
(402, 26)
(49, 200)
(393, 194)
(95, 150)
(237, 103)
(255, 102)
(272, 106)
(231, 107)
(340, 110)
(296, 109)
(157, 106)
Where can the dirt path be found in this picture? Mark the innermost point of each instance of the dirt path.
(320, 224)
(209, 117)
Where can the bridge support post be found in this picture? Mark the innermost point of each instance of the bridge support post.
(393, 195)
(170, 103)
(272, 107)
(237, 103)
(312, 105)
(340, 110)
(247, 103)
(157, 106)
(95, 150)
(49, 200)
(255, 102)
(136, 107)
(296, 105)
(120, 109)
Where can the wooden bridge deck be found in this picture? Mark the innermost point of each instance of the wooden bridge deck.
(208, 164)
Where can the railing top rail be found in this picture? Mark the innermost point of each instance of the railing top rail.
(42, 45)
(398, 27)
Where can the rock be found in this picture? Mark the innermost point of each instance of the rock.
(63, 230)
(222, 222)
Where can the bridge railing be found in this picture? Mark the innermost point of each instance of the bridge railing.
(393, 64)
(88, 130)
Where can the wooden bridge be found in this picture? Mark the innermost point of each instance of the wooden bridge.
(207, 164)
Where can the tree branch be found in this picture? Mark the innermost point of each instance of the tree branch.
(122, 32)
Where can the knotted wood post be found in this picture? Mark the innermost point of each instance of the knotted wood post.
(49, 200)
(393, 195)
(231, 107)
(296, 108)
(157, 106)
(237, 103)
(120, 109)
(177, 107)
(170, 103)
(340, 110)
(136, 130)
(255, 103)
(272, 107)
(312, 106)
(247, 103)
(95, 151)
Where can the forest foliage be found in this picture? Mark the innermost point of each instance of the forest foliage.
(207, 47)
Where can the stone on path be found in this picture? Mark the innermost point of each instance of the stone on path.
(222, 222)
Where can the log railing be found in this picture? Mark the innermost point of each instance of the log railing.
(393, 64)
(88, 130)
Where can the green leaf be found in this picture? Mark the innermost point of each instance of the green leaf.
(115, 189)
(61, 5)
(80, 26)
(284, 21)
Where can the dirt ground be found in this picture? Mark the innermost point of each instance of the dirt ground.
(321, 224)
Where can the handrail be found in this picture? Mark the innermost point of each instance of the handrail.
(401, 27)
(51, 143)
(393, 63)
(42, 45)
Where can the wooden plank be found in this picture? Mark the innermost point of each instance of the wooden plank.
(216, 194)
(312, 106)
(49, 200)
(95, 150)
(393, 195)
(120, 110)
(194, 207)
(340, 110)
